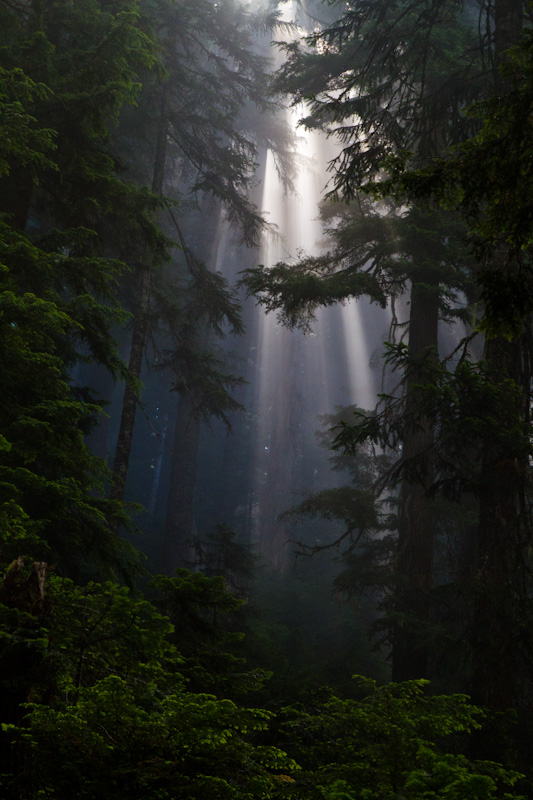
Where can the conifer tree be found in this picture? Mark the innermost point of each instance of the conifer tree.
(484, 179)
(67, 70)
(201, 152)
(383, 79)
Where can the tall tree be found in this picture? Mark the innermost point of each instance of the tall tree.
(201, 151)
(66, 73)
(486, 179)
(504, 527)
(383, 79)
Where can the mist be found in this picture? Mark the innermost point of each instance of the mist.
(265, 425)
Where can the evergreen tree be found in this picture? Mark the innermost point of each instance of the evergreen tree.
(479, 178)
(382, 79)
(66, 73)
(103, 693)
(204, 156)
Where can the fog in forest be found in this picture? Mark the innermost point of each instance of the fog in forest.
(265, 423)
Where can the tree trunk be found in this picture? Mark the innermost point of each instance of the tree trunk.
(503, 540)
(22, 664)
(414, 560)
(154, 488)
(140, 327)
(129, 403)
(504, 532)
(508, 19)
(179, 523)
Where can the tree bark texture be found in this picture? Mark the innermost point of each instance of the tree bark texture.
(504, 532)
(504, 537)
(414, 560)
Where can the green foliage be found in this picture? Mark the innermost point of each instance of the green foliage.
(469, 408)
(221, 553)
(375, 250)
(110, 704)
(487, 178)
(114, 746)
(205, 616)
(214, 74)
(103, 693)
(396, 740)
(356, 508)
(22, 140)
(66, 72)
(299, 289)
(201, 113)
(187, 315)
(98, 630)
(384, 77)
(46, 469)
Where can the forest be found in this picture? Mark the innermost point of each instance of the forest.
(266, 362)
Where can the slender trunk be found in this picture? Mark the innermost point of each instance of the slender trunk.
(129, 403)
(180, 505)
(238, 484)
(161, 143)
(140, 328)
(414, 561)
(180, 520)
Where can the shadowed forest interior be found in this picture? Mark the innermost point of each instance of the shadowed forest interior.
(266, 308)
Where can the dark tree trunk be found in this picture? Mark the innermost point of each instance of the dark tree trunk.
(22, 665)
(179, 525)
(503, 541)
(161, 143)
(508, 20)
(504, 534)
(140, 327)
(414, 561)
(180, 519)
(129, 403)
